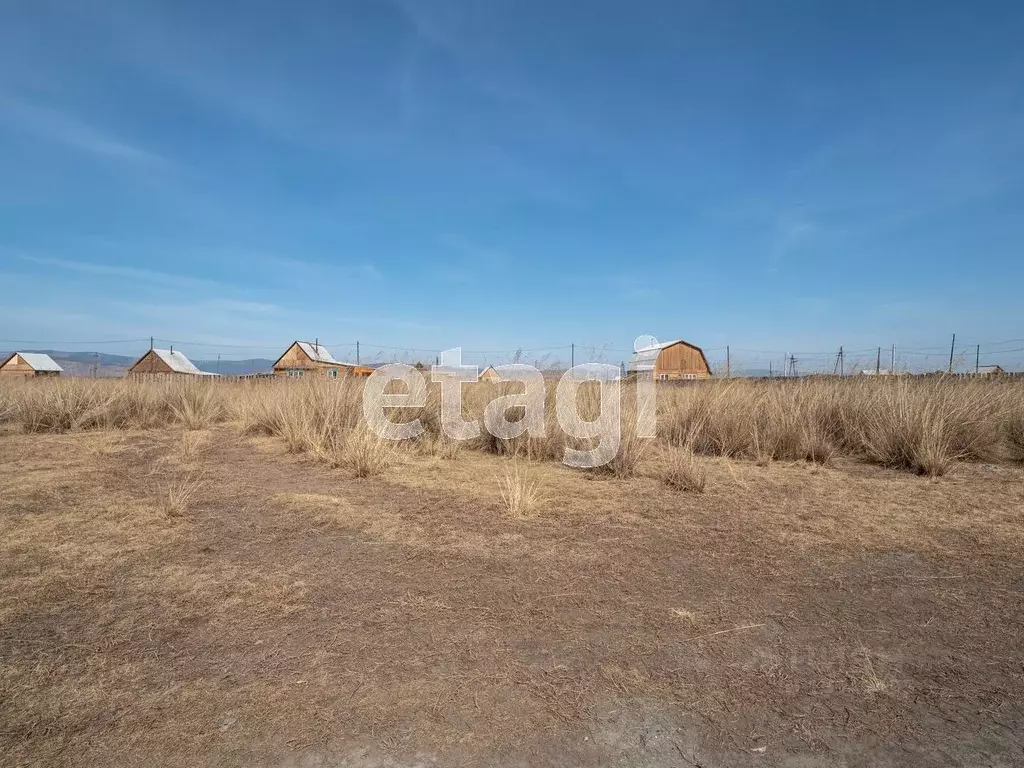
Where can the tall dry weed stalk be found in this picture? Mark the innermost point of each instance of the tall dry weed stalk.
(520, 491)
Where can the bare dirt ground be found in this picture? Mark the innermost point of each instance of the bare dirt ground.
(291, 615)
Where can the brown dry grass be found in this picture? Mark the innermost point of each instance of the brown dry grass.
(923, 425)
(298, 615)
(520, 491)
(180, 492)
(684, 471)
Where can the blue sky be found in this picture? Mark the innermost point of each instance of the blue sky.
(776, 176)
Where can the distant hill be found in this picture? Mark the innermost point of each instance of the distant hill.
(109, 366)
(235, 367)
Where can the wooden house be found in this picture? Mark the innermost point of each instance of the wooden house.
(165, 362)
(671, 361)
(490, 374)
(304, 358)
(23, 365)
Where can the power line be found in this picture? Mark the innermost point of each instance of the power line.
(114, 341)
(218, 346)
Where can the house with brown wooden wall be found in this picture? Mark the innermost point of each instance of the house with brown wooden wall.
(165, 362)
(304, 358)
(23, 365)
(671, 361)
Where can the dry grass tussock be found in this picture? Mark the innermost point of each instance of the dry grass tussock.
(180, 492)
(520, 491)
(922, 425)
(684, 471)
(193, 445)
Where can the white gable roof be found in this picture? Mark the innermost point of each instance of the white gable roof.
(316, 352)
(37, 361)
(645, 358)
(178, 362)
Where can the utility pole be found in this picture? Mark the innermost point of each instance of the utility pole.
(218, 363)
(878, 362)
(892, 361)
(839, 362)
(151, 343)
(952, 346)
(769, 368)
(977, 359)
(572, 356)
(728, 363)
(357, 353)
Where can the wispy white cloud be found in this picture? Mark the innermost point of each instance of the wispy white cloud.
(56, 126)
(123, 272)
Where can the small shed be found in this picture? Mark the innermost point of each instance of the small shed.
(165, 362)
(304, 358)
(671, 360)
(990, 370)
(490, 374)
(27, 364)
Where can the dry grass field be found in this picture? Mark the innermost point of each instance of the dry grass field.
(791, 574)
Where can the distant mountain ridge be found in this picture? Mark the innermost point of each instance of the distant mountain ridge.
(107, 365)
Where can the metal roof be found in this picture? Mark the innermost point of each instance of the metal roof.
(317, 352)
(37, 361)
(645, 358)
(179, 363)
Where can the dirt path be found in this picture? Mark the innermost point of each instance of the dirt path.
(296, 616)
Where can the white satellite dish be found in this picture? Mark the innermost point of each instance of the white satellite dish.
(644, 342)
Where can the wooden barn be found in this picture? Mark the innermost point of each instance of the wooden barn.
(304, 358)
(671, 361)
(23, 365)
(165, 362)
